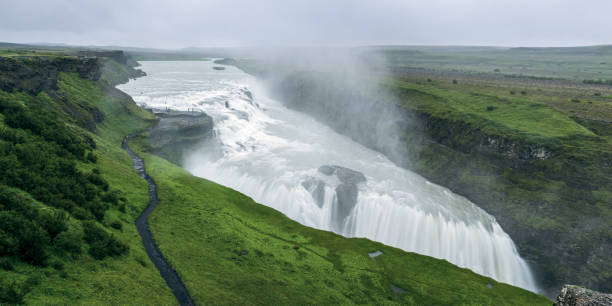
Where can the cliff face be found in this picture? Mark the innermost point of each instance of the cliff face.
(36, 74)
(177, 133)
(551, 195)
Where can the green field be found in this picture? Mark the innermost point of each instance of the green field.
(578, 63)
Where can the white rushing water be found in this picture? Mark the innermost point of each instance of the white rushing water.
(272, 153)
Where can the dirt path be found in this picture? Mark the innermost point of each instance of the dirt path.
(166, 271)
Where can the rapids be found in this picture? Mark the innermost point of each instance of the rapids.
(268, 152)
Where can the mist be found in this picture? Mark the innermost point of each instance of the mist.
(345, 88)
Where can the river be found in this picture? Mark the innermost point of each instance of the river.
(273, 154)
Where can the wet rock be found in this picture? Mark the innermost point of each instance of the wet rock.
(397, 289)
(225, 61)
(346, 199)
(345, 175)
(247, 93)
(579, 296)
(177, 132)
(241, 115)
(346, 193)
(316, 188)
(375, 254)
(327, 170)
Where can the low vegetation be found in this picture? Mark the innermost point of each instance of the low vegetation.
(228, 248)
(65, 192)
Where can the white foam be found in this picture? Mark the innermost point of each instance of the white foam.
(268, 151)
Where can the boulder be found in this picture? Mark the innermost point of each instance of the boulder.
(345, 175)
(178, 132)
(346, 193)
(579, 296)
(346, 199)
(316, 188)
(247, 93)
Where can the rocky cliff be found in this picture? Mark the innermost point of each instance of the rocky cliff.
(36, 74)
(177, 133)
(547, 193)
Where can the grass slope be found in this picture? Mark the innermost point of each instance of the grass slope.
(229, 249)
(506, 116)
(566, 199)
(129, 279)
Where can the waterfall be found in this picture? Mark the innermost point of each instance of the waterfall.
(294, 164)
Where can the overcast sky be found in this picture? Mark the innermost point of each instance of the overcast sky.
(205, 23)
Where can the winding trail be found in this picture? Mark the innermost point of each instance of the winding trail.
(166, 271)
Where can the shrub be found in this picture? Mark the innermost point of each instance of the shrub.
(8, 244)
(523, 92)
(38, 155)
(96, 179)
(53, 222)
(92, 157)
(116, 224)
(455, 82)
(112, 197)
(101, 243)
(6, 263)
(24, 238)
(512, 92)
(12, 292)
(58, 265)
(69, 241)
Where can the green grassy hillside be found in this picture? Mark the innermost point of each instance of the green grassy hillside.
(93, 254)
(226, 248)
(557, 207)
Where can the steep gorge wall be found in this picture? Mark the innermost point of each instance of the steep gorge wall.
(546, 195)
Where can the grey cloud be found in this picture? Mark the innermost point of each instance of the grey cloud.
(175, 24)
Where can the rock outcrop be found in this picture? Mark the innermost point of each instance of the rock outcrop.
(36, 74)
(316, 187)
(346, 192)
(177, 132)
(345, 175)
(579, 296)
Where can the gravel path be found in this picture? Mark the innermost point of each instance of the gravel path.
(166, 271)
